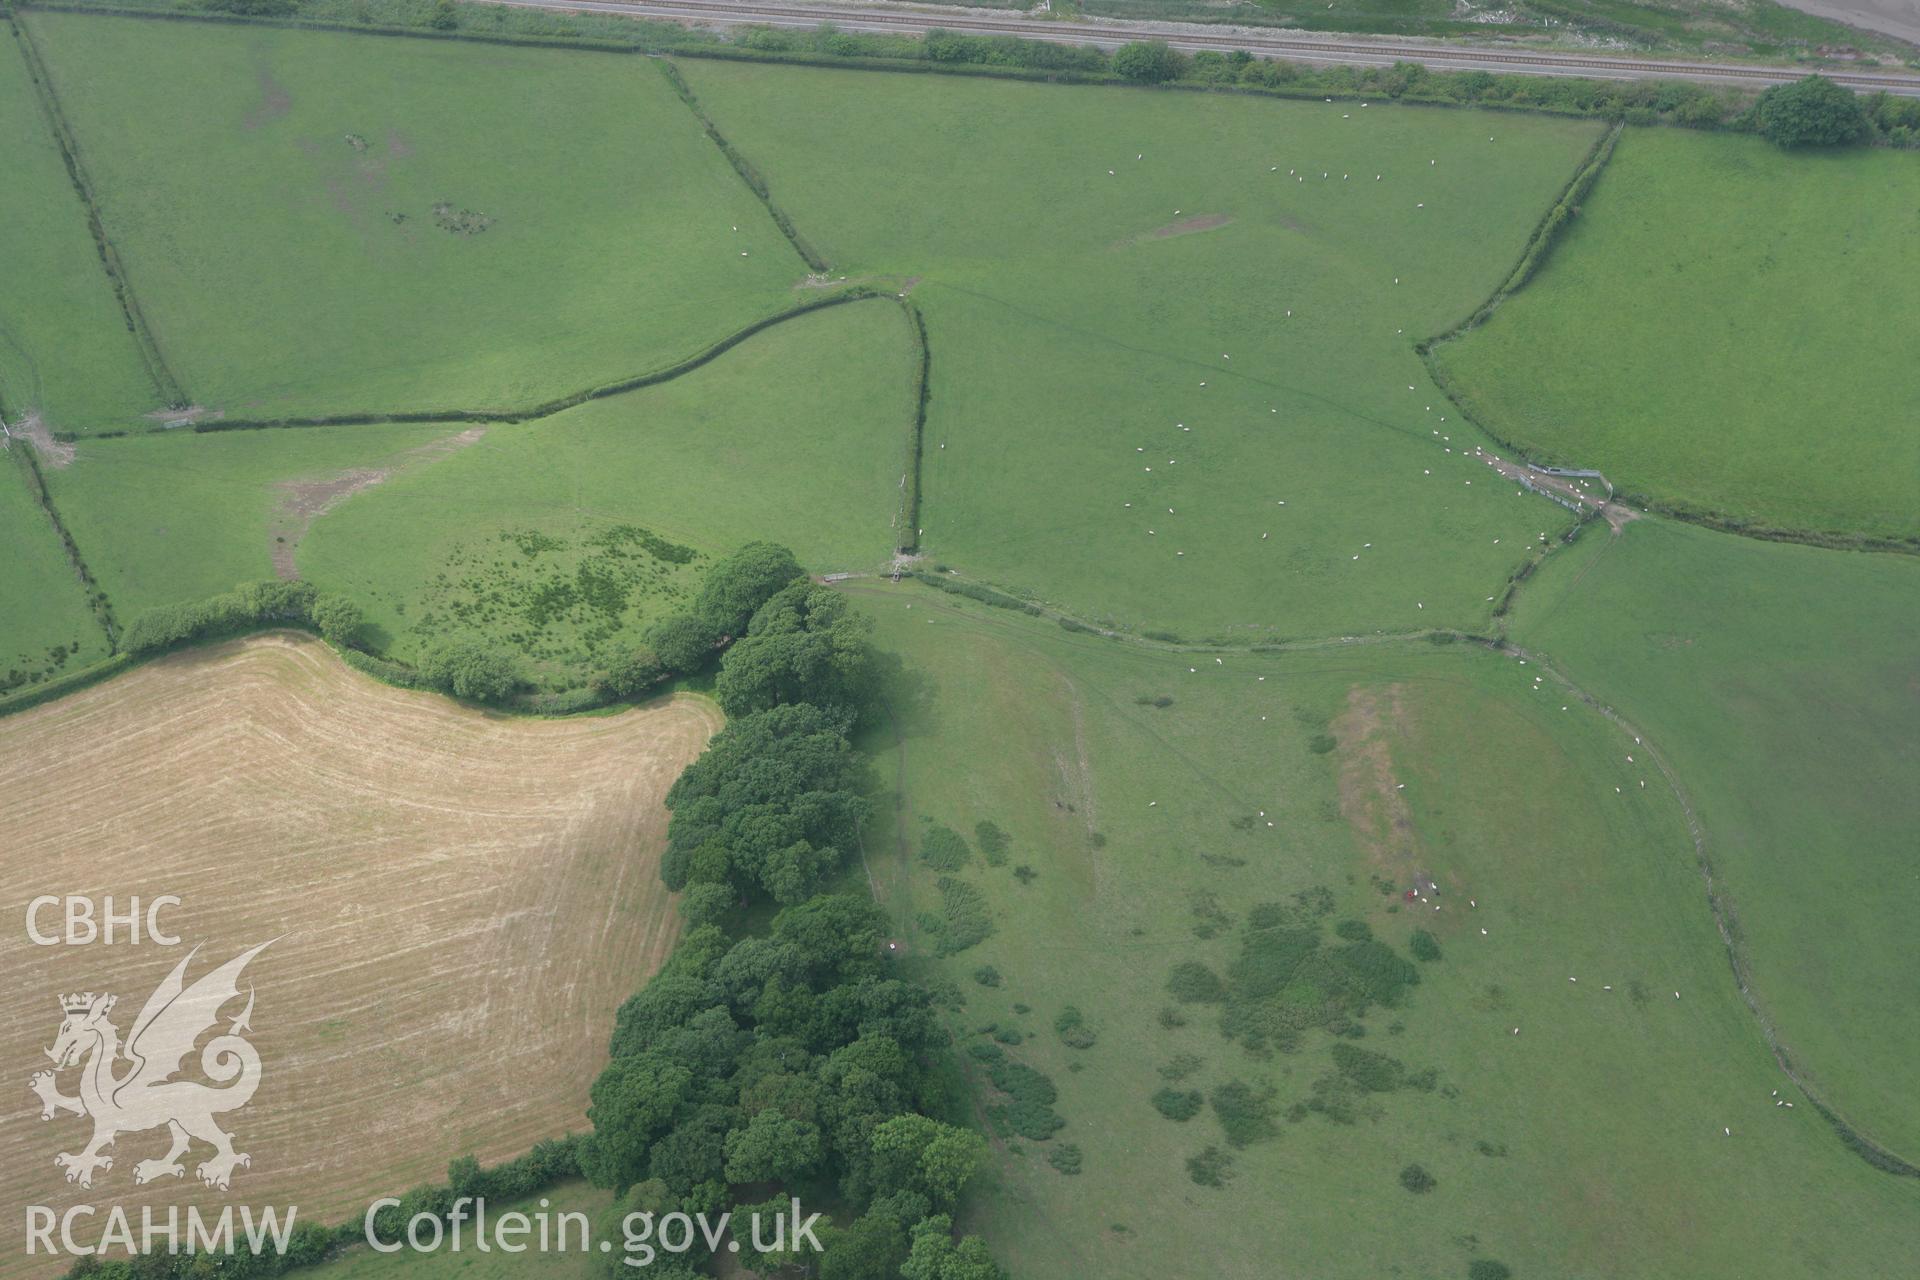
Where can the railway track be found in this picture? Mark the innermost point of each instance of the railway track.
(1110, 34)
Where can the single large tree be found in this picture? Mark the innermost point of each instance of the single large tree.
(1814, 112)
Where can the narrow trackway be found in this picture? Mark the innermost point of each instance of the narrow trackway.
(1330, 50)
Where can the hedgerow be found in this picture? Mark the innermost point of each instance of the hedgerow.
(1643, 102)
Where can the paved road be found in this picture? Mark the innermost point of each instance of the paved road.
(1328, 49)
(1897, 18)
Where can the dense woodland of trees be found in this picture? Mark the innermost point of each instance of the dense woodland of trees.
(783, 1057)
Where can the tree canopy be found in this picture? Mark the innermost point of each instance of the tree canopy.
(1146, 61)
(737, 586)
(806, 644)
(1814, 112)
(789, 1057)
(773, 806)
(472, 671)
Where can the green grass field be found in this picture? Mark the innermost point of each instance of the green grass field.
(279, 223)
(1602, 1121)
(1099, 357)
(167, 518)
(798, 434)
(539, 535)
(1783, 686)
(49, 628)
(1725, 329)
(65, 352)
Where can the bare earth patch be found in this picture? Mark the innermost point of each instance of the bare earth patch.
(1571, 489)
(1370, 799)
(188, 416)
(33, 430)
(304, 501)
(1184, 227)
(461, 902)
(274, 102)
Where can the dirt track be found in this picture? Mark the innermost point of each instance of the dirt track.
(465, 899)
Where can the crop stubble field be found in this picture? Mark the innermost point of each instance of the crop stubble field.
(460, 901)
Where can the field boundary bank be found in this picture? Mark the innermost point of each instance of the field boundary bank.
(1160, 642)
(664, 38)
(1546, 237)
(530, 413)
(908, 541)
(69, 682)
(97, 603)
(1539, 241)
(742, 166)
(375, 667)
(1726, 919)
(65, 139)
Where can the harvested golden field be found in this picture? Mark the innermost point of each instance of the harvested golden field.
(461, 901)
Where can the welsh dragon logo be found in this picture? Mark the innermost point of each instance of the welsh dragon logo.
(144, 1095)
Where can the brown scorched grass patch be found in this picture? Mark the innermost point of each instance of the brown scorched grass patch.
(462, 901)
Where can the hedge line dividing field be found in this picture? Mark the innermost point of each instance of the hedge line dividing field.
(97, 600)
(1744, 375)
(744, 167)
(156, 365)
(547, 408)
(1539, 244)
(909, 522)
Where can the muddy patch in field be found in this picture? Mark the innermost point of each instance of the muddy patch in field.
(186, 417)
(33, 429)
(306, 500)
(1370, 799)
(1185, 227)
(274, 102)
(1567, 489)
